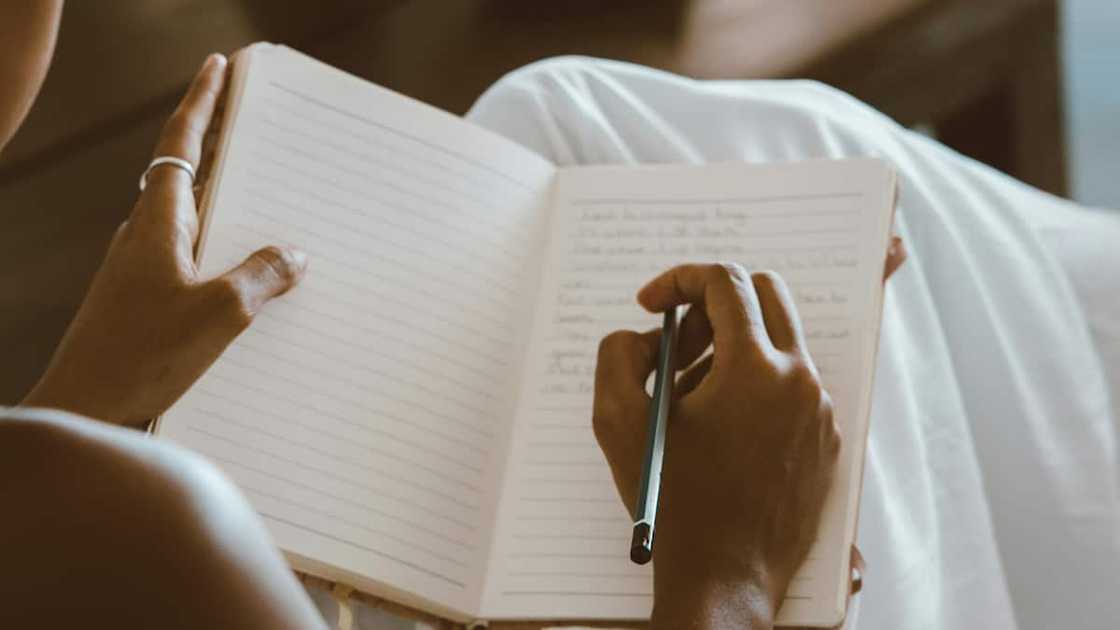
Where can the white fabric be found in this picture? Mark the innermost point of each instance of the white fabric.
(990, 496)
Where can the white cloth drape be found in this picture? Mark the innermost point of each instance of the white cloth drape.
(990, 495)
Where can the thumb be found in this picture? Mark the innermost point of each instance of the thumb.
(265, 274)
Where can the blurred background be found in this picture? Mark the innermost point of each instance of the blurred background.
(1031, 87)
(1091, 64)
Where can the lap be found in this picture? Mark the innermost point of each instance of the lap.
(992, 444)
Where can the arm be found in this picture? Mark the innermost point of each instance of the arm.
(105, 527)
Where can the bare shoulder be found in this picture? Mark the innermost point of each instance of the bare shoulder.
(120, 521)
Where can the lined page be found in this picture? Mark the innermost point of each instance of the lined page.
(564, 535)
(365, 413)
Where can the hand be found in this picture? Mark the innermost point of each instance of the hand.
(752, 445)
(149, 326)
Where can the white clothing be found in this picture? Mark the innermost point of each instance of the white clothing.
(991, 489)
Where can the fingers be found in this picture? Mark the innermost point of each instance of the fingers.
(184, 132)
(859, 567)
(779, 312)
(728, 298)
(265, 274)
(626, 359)
(896, 255)
(210, 143)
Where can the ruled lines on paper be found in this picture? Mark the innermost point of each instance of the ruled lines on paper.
(568, 531)
(365, 409)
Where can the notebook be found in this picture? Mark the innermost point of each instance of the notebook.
(414, 419)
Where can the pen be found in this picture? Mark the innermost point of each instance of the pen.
(645, 513)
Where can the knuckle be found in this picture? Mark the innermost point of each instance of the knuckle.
(833, 440)
(805, 385)
(727, 273)
(181, 126)
(826, 405)
(760, 368)
(767, 278)
(155, 202)
(175, 126)
(230, 303)
(616, 343)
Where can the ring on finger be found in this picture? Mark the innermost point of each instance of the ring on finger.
(170, 161)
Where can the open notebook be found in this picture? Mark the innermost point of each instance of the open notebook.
(414, 418)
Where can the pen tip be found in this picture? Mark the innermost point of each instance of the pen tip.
(641, 545)
(640, 554)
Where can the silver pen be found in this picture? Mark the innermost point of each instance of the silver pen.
(645, 513)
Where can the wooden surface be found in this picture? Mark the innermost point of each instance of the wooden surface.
(985, 75)
(476, 42)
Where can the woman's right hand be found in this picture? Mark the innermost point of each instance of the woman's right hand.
(752, 445)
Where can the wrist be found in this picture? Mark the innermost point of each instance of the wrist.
(48, 394)
(699, 602)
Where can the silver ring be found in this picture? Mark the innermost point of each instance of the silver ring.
(170, 161)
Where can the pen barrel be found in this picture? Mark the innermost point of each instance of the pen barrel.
(649, 489)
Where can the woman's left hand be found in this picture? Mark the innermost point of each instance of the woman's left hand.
(150, 326)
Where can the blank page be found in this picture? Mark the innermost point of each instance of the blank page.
(563, 540)
(365, 414)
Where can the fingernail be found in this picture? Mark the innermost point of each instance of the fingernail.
(215, 59)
